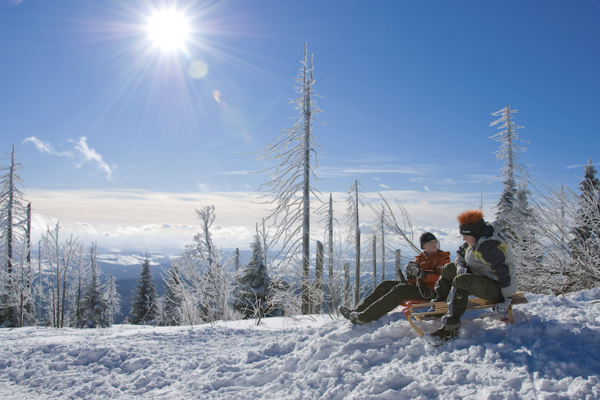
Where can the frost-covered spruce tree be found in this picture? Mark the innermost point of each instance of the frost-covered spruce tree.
(584, 225)
(113, 298)
(12, 236)
(205, 284)
(252, 289)
(172, 301)
(143, 308)
(509, 152)
(585, 235)
(526, 246)
(560, 271)
(96, 312)
(288, 187)
(215, 284)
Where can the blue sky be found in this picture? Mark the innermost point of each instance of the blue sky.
(120, 142)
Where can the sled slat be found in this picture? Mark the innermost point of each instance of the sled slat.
(412, 309)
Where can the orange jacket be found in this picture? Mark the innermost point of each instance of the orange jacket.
(433, 263)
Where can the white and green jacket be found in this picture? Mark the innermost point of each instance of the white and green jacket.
(492, 258)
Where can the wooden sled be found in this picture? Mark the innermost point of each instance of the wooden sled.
(415, 310)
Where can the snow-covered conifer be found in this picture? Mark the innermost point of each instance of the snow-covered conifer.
(590, 186)
(96, 312)
(171, 310)
(113, 298)
(585, 233)
(252, 289)
(143, 308)
(204, 280)
(526, 246)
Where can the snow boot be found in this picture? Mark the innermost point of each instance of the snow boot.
(457, 305)
(345, 311)
(354, 318)
(440, 336)
(442, 288)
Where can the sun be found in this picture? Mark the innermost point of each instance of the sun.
(169, 29)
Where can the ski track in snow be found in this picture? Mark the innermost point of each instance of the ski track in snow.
(551, 352)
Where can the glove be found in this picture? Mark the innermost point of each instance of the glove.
(414, 271)
(461, 269)
(501, 307)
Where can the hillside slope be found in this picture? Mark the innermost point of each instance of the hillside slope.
(551, 352)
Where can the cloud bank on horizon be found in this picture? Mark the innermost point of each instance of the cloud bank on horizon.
(142, 219)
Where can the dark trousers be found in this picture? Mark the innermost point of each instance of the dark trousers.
(461, 286)
(387, 296)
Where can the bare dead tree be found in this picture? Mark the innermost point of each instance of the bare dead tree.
(288, 188)
(354, 200)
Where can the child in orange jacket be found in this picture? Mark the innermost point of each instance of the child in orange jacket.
(422, 275)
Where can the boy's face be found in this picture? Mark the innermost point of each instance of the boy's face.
(430, 247)
(470, 239)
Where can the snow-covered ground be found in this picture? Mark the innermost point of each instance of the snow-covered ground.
(551, 352)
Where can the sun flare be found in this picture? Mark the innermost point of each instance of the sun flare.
(169, 29)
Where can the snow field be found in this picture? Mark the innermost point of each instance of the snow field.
(551, 352)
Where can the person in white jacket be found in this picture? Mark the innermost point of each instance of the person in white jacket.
(484, 267)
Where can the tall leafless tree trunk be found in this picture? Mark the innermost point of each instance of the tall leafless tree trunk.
(319, 279)
(347, 284)
(293, 149)
(374, 262)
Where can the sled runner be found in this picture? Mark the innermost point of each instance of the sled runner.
(416, 310)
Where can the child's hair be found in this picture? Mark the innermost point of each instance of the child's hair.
(470, 216)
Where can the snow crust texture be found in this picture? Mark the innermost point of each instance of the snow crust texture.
(551, 352)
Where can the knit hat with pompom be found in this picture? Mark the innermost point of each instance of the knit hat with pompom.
(471, 223)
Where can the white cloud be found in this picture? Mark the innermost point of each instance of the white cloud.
(351, 171)
(204, 187)
(481, 178)
(237, 173)
(43, 147)
(384, 186)
(427, 189)
(395, 170)
(39, 224)
(369, 158)
(83, 152)
(86, 154)
(46, 147)
(87, 228)
(575, 166)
